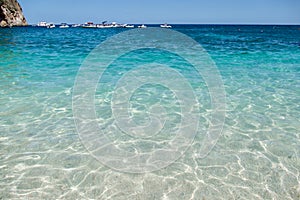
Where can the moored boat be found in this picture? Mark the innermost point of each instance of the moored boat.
(89, 25)
(105, 26)
(111, 25)
(76, 25)
(142, 26)
(50, 25)
(64, 25)
(42, 24)
(128, 26)
(165, 26)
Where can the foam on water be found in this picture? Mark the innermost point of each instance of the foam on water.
(257, 157)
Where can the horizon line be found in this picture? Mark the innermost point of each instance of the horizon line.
(270, 24)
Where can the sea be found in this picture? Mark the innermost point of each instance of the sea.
(48, 149)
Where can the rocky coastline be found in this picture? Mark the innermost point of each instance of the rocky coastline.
(11, 14)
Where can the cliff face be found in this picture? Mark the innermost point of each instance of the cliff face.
(11, 14)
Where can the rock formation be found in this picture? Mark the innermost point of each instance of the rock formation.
(11, 14)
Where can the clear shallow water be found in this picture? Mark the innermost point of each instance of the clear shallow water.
(257, 157)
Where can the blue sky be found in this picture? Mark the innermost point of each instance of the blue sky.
(160, 11)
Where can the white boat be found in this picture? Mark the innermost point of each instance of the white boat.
(115, 25)
(50, 25)
(76, 25)
(42, 24)
(64, 25)
(105, 26)
(165, 26)
(128, 26)
(111, 25)
(89, 25)
(108, 25)
(142, 26)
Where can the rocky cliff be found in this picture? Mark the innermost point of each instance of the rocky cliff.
(11, 14)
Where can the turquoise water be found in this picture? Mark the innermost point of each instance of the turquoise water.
(256, 157)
